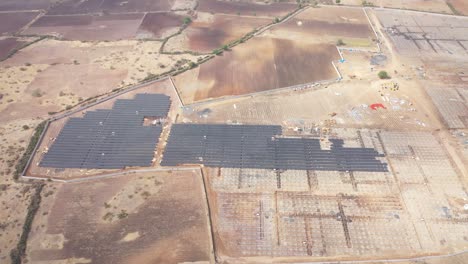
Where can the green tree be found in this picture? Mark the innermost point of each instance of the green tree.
(383, 75)
(187, 20)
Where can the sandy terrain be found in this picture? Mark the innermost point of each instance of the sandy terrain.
(87, 27)
(46, 77)
(131, 219)
(460, 6)
(96, 68)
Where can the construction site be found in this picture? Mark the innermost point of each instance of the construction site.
(234, 132)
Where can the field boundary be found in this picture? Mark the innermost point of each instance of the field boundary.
(373, 29)
(17, 253)
(210, 221)
(395, 260)
(266, 92)
(109, 175)
(38, 143)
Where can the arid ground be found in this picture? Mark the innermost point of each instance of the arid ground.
(310, 67)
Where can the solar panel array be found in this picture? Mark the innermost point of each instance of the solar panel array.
(110, 138)
(255, 146)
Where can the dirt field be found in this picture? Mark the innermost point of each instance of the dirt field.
(327, 25)
(206, 36)
(246, 70)
(159, 25)
(9, 44)
(14, 196)
(45, 76)
(96, 6)
(131, 219)
(245, 8)
(88, 27)
(459, 5)
(10, 23)
(437, 6)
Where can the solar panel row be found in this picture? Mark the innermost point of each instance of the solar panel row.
(247, 146)
(110, 138)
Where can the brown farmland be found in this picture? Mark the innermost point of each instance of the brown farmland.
(12, 22)
(206, 36)
(88, 27)
(163, 221)
(7, 45)
(328, 24)
(157, 24)
(96, 6)
(76, 7)
(10, 5)
(460, 5)
(259, 65)
(245, 8)
(137, 5)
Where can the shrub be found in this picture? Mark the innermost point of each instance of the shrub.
(37, 93)
(187, 20)
(340, 42)
(338, 1)
(123, 214)
(25, 127)
(192, 65)
(217, 52)
(383, 75)
(150, 76)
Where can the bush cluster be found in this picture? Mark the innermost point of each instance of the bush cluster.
(29, 150)
(17, 254)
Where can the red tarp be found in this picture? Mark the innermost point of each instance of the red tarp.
(375, 106)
